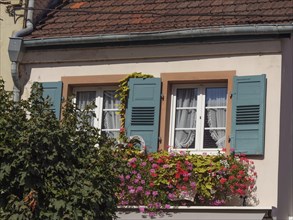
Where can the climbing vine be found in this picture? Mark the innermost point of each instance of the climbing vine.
(122, 94)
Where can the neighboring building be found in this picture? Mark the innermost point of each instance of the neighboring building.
(8, 25)
(223, 76)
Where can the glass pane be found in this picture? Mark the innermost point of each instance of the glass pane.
(109, 100)
(216, 97)
(215, 118)
(111, 134)
(184, 139)
(85, 98)
(185, 118)
(214, 139)
(111, 120)
(186, 98)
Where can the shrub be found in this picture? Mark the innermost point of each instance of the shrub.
(51, 169)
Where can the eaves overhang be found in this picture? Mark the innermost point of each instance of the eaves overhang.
(246, 30)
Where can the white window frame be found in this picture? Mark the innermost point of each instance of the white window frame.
(98, 102)
(200, 116)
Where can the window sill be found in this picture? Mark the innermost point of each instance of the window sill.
(200, 212)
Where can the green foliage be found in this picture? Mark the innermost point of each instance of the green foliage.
(122, 94)
(51, 169)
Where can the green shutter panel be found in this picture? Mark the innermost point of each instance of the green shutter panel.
(248, 114)
(143, 110)
(53, 90)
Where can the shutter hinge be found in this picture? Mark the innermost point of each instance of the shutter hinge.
(229, 140)
(160, 140)
(162, 96)
(231, 95)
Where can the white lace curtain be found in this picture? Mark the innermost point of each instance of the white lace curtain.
(186, 102)
(217, 97)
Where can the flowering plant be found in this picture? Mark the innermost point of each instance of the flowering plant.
(159, 180)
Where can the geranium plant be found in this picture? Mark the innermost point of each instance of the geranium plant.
(160, 180)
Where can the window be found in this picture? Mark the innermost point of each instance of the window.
(107, 119)
(198, 117)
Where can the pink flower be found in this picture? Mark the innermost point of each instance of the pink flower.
(155, 166)
(127, 177)
(141, 209)
(147, 193)
(165, 166)
(167, 206)
(193, 184)
(155, 193)
(142, 182)
(139, 189)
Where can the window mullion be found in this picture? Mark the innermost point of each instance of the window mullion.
(202, 117)
(99, 104)
(173, 113)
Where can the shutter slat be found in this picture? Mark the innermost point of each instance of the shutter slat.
(248, 114)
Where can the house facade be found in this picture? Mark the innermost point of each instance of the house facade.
(222, 77)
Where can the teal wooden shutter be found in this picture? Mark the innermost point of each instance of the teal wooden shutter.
(53, 90)
(248, 114)
(143, 110)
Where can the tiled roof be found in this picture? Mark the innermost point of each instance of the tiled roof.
(97, 17)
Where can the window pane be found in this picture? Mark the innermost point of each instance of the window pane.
(215, 117)
(111, 134)
(185, 118)
(110, 116)
(85, 98)
(186, 98)
(109, 100)
(214, 139)
(216, 97)
(185, 139)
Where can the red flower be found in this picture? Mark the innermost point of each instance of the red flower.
(231, 177)
(223, 180)
(154, 174)
(185, 179)
(177, 176)
(160, 161)
(152, 184)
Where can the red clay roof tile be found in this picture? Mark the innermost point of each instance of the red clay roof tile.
(95, 17)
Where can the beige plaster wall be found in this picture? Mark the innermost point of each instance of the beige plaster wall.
(245, 64)
(7, 28)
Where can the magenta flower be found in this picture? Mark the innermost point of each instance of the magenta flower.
(167, 206)
(132, 191)
(152, 171)
(142, 182)
(139, 189)
(155, 193)
(136, 181)
(141, 209)
(165, 166)
(193, 184)
(147, 193)
(127, 177)
(143, 164)
(155, 166)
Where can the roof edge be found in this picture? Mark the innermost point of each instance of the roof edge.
(166, 35)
